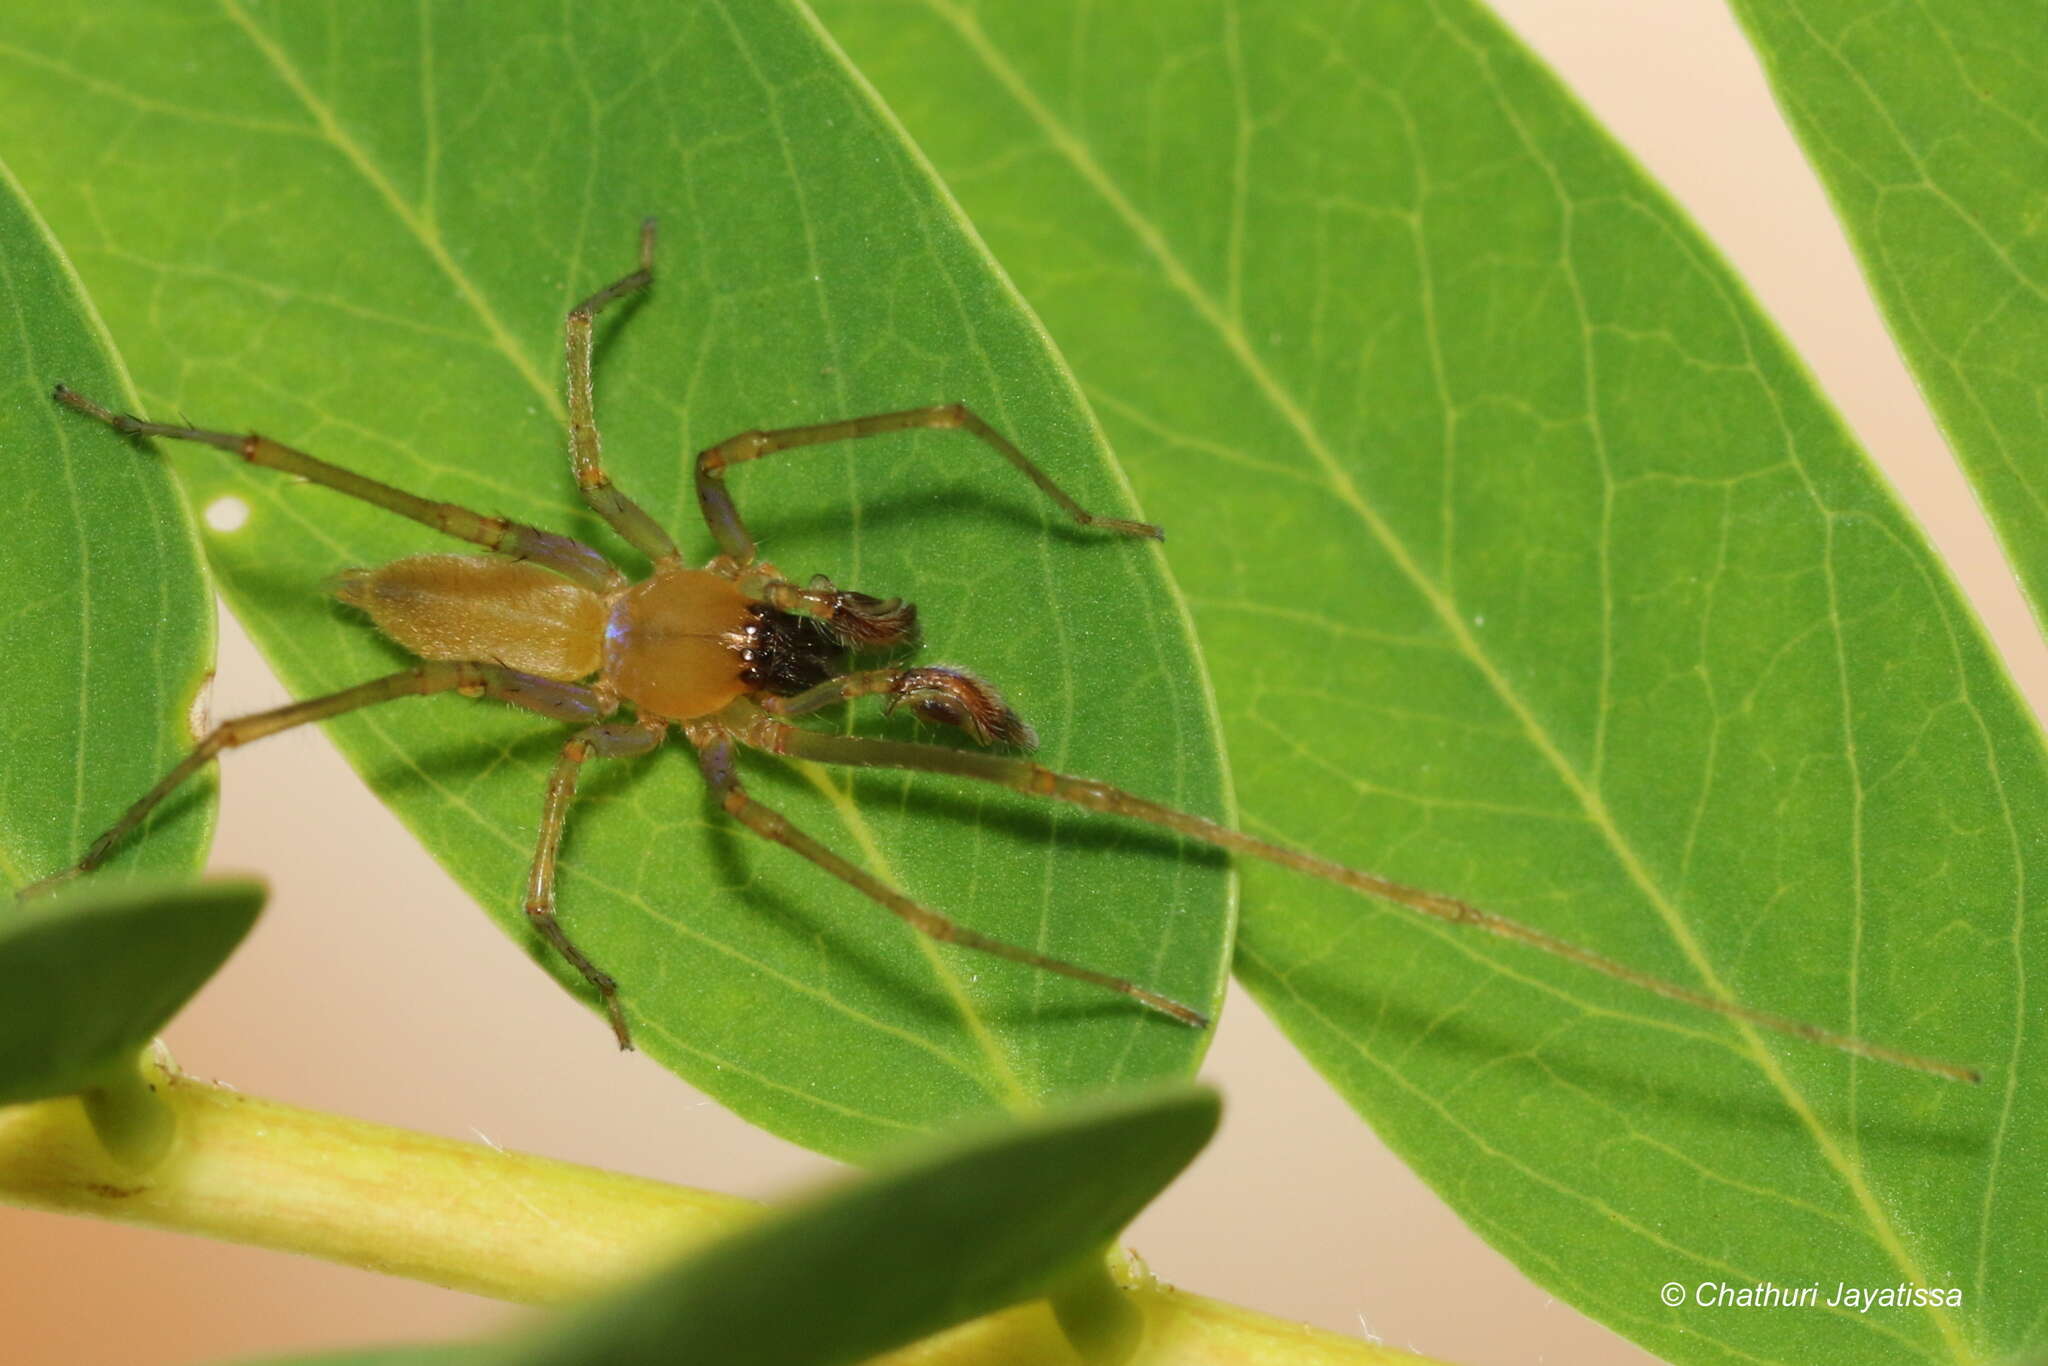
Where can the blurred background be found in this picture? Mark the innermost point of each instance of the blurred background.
(374, 989)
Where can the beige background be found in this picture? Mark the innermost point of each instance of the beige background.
(375, 989)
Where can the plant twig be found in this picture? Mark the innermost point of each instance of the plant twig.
(516, 1227)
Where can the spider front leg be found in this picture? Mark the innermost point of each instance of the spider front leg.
(715, 755)
(565, 555)
(724, 519)
(755, 727)
(561, 701)
(586, 451)
(615, 741)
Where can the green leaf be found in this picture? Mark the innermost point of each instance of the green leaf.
(1929, 126)
(89, 976)
(929, 1242)
(106, 634)
(1531, 568)
(358, 227)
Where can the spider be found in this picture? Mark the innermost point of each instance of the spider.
(731, 654)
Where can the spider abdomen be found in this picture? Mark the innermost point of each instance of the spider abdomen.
(483, 607)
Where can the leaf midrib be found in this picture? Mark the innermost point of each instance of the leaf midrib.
(1064, 142)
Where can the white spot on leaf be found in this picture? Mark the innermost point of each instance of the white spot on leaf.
(227, 513)
(199, 715)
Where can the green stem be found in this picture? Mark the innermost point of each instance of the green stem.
(132, 1121)
(431, 1209)
(1097, 1315)
(514, 1227)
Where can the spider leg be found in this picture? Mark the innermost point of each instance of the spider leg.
(762, 731)
(562, 701)
(724, 519)
(715, 755)
(617, 740)
(586, 453)
(937, 693)
(565, 555)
